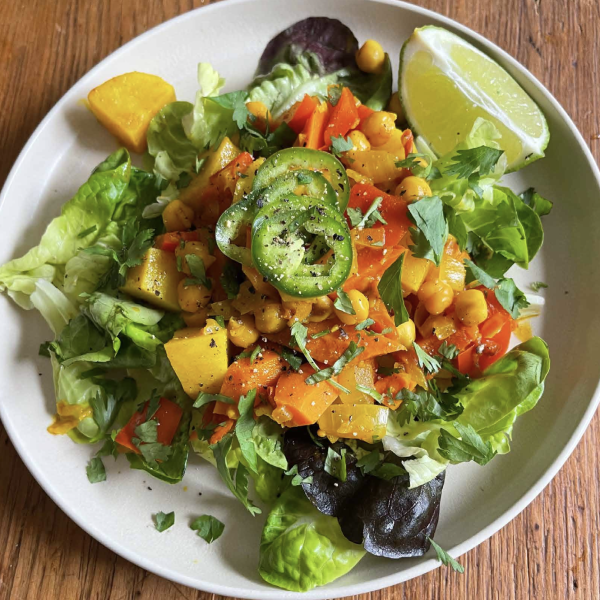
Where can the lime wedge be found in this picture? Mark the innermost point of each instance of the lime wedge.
(446, 83)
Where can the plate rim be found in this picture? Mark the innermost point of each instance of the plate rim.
(323, 593)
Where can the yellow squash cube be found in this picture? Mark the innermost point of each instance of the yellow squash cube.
(199, 358)
(126, 104)
(367, 422)
(155, 280)
(215, 161)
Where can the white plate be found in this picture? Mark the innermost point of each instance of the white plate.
(477, 501)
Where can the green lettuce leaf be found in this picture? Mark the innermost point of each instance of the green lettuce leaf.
(302, 548)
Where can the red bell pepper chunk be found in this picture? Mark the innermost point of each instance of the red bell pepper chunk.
(303, 111)
(364, 112)
(393, 209)
(169, 241)
(499, 343)
(342, 117)
(167, 416)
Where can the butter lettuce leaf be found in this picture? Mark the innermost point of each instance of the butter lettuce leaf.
(302, 548)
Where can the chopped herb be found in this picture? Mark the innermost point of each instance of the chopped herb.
(414, 162)
(154, 451)
(368, 462)
(235, 101)
(147, 432)
(162, 521)
(208, 528)
(220, 320)
(199, 164)
(204, 398)
(388, 471)
(372, 215)
(45, 350)
(343, 302)
(431, 233)
(243, 429)
(196, 266)
(536, 286)
(470, 446)
(390, 290)
(153, 405)
(348, 356)
(95, 470)
(254, 354)
(426, 362)
(335, 464)
(316, 336)
(445, 558)
(386, 371)
(184, 181)
(292, 358)
(482, 159)
(297, 479)
(449, 351)
(340, 144)
(370, 392)
(364, 324)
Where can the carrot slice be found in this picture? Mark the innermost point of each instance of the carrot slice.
(302, 112)
(342, 117)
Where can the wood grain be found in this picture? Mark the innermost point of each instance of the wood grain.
(550, 551)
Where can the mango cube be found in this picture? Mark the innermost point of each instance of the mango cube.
(215, 161)
(199, 358)
(126, 104)
(155, 280)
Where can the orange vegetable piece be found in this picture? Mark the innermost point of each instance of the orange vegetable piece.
(304, 109)
(242, 377)
(313, 133)
(221, 431)
(391, 385)
(342, 117)
(393, 209)
(364, 112)
(299, 403)
(167, 416)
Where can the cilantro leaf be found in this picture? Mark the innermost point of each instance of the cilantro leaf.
(291, 358)
(510, 297)
(316, 336)
(445, 558)
(147, 432)
(243, 429)
(333, 93)
(162, 521)
(370, 392)
(388, 471)
(469, 447)
(390, 290)
(184, 181)
(430, 236)
(198, 271)
(348, 356)
(343, 302)
(335, 464)
(153, 405)
(426, 362)
(364, 324)
(340, 145)
(109, 448)
(155, 451)
(230, 279)
(449, 351)
(414, 162)
(368, 462)
(254, 354)
(208, 528)
(536, 286)
(204, 398)
(239, 485)
(297, 479)
(235, 101)
(372, 215)
(419, 404)
(95, 470)
(355, 215)
(482, 159)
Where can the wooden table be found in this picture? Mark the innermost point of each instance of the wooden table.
(550, 551)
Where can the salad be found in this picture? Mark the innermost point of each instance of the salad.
(305, 285)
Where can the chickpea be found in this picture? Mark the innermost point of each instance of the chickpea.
(371, 57)
(200, 249)
(177, 216)
(242, 331)
(192, 297)
(269, 319)
(360, 304)
(471, 307)
(412, 188)
(359, 141)
(322, 309)
(378, 127)
(196, 319)
(436, 296)
(395, 106)
(261, 112)
(406, 333)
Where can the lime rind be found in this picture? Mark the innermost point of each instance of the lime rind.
(436, 41)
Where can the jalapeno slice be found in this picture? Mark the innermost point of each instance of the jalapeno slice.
(278, 247)
(234, 221)
(292, 159)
